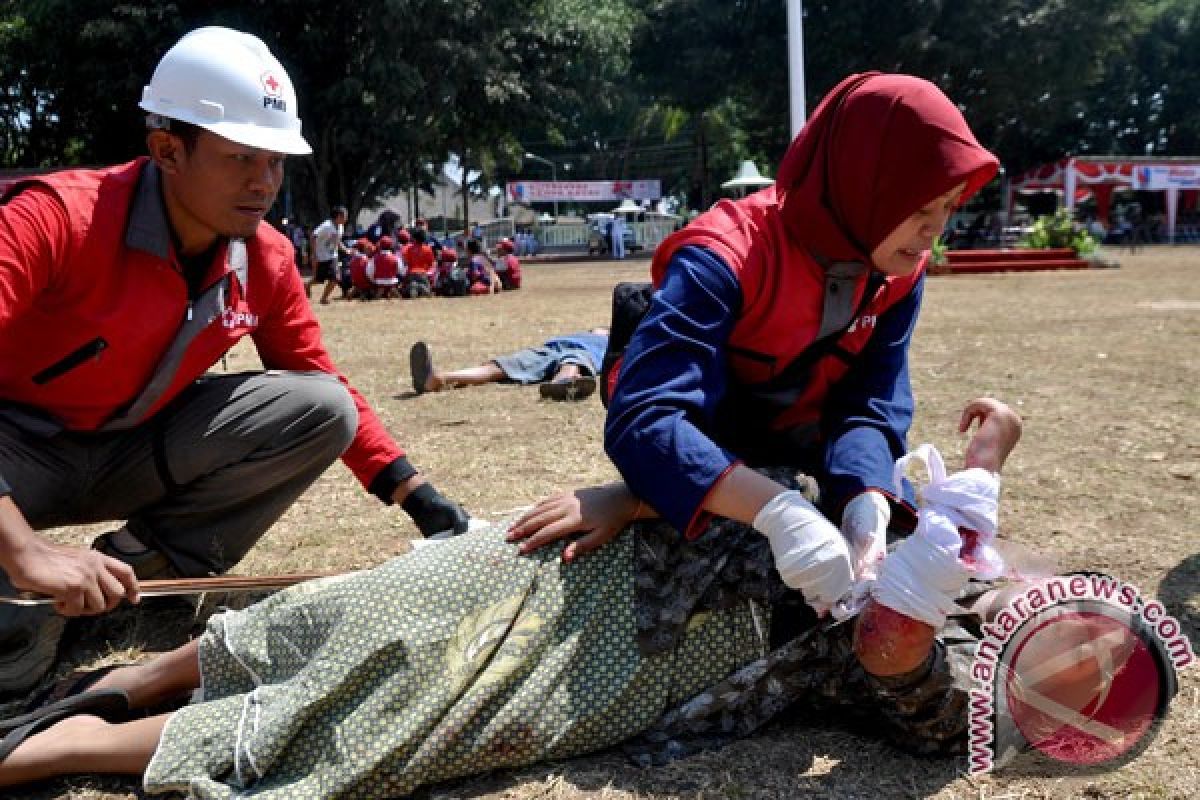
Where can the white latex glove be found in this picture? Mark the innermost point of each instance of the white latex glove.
(864, 524)
(810, 553)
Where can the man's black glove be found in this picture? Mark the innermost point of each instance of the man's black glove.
(433, 512)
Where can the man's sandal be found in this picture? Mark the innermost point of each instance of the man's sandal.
(578, 388)
(77, 681)
(109, 704)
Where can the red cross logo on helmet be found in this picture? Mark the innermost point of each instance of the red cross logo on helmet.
(271, 84)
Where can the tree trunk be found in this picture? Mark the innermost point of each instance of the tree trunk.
(416, 192)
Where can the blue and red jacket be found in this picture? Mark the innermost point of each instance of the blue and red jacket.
(705, 382)
(92, 295)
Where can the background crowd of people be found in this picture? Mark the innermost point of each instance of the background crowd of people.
(404, 261)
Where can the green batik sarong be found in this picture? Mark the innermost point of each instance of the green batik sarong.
(455, 659)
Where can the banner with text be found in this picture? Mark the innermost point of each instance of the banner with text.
(1166, 177)
(582, 191)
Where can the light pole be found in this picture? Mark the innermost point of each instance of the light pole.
(795, 29)
(553, 176)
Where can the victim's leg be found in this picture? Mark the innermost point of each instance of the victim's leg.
(164, 678)
(469, 376)
(83, 745)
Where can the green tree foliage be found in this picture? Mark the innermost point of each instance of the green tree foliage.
(1028, 74)
(675, 89)
(385, 86)
(1146, 103)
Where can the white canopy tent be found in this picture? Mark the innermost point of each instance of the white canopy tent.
(628, 206)
(747, 179)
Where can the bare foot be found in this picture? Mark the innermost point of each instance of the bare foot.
(567, 372)
(52, 752)
(435, 382)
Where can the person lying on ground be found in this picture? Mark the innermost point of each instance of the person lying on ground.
(122, 287)
(565, 366)
(495, 649)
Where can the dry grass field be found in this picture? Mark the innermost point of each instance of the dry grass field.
(1104, 365)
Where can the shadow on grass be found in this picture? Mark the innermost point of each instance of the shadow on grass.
(1180, 593)
(802, 757)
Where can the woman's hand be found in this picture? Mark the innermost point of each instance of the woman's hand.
(597, 512)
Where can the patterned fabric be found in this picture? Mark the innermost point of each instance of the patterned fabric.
(923, 713)
(812, 662)
(464, 657)
(725, 566)
(455, 659)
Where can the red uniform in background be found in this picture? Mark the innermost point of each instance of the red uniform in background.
(419, 258)
(508, 266)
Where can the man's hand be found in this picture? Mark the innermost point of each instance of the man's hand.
(432, 512)
(80, 580)
(810, 554)
(864, 524)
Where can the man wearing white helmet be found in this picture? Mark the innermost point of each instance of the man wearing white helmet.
(119, 289)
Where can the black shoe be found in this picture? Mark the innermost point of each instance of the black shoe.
(420, 364)
(148, 565)
(580, 388)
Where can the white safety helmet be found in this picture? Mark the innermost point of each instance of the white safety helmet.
(227, 82)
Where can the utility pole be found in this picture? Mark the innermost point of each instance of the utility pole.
(795, 29)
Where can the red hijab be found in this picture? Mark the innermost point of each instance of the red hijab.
(877, 149)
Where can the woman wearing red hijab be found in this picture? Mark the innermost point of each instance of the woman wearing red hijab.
(779, 333)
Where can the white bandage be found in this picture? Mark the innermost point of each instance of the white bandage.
(967, 499)
(923, 576)
(920, 580)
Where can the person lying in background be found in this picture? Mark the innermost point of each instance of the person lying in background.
(565, 366)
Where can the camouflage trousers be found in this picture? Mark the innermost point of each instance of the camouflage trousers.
(805, 661)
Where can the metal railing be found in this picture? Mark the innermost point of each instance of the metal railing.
(565, 237)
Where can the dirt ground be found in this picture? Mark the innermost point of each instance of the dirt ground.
(1104, 365)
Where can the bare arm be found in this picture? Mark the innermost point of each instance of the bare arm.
(81, 581)
(599, 513)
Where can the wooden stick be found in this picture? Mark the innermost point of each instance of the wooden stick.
(228, 584)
